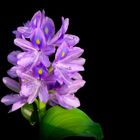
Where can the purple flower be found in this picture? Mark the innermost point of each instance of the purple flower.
(64, 95)
(53, 82)
(67, 63)
(34, 84)
(15, 99)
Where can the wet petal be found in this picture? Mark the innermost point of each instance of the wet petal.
(11, 84)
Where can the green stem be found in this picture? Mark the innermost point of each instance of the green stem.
(41, 109)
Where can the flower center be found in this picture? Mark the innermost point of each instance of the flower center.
(40, 71)
(63, 53)
(37, 41)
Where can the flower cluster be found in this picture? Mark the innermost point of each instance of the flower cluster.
(53, 82)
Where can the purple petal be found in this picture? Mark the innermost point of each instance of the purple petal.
(62, 51)
(17, 105)
(40, 71)
(75, 86)
(44, 59)
(26, 58)
(48, 28)
(12, 57)
(50, 49)
(72, 40)
(74, 53)
(33, 95)
(38, 39)
(79, 61)
(12, 72)
(24, 44)
(36, 19)
(68, 101)
(62, 77)
(70, 67)
(29, 86)
(43, 94)
(10, 99)
(25, 31)
(11, 84)
(61, 32)
(76, 76)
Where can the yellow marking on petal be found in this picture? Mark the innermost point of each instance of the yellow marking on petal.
(37, 41)
(46, 30)
(35, 21)
(63, 53)
(40, 71)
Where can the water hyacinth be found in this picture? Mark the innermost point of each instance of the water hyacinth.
(53, 82)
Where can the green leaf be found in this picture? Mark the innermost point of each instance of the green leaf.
(59, 123)
(29, 113)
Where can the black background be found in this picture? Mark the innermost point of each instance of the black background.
(96, 24)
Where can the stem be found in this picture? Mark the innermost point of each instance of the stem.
(41, 109)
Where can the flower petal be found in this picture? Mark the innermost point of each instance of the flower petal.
(10, 99)
(24, 44)
(62, 51)
(79, 61)
(68, 101)
(72, 40)
(26, 58)
(25, 31)
(61, 32)
(38, 39)
(12, 72)
(70, 67)
(62, 77)
(43, 94)
(12, 57)
(11, 84)
(17, 105)
(74, 53)
(44, 59)
(75, 86)
(36, 20)
(48, 28)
